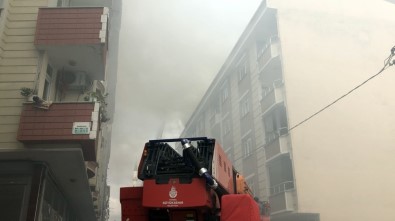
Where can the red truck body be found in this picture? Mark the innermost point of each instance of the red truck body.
(178, 187)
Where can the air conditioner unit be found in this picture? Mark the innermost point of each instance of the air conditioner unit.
(80, 81)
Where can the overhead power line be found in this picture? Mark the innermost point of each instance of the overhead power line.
(387, 62)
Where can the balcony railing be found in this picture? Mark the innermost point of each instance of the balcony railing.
(74, 38)
(272, 95)
(268, 51)
(279, 188)
(276, 143)
(273, 135)
(61, 125)
(282, 202)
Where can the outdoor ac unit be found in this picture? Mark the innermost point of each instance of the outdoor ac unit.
(80, 81)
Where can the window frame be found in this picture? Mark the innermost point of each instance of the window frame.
(49, 76)
(244, 106)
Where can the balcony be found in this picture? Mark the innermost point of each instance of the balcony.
(74, 38)
(272, 95)
(282, 200)
(268, 52)
(62, 125)
(277, 143)
(282, 187)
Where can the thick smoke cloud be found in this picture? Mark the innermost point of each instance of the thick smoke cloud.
(169, 53)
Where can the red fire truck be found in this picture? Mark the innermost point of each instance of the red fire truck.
(196, 183)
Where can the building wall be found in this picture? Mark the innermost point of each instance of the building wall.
(340, 160)
(232, 110)
(342, 157)
(23, 65)
(18, 63)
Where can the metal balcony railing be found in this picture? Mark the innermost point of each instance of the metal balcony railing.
(273, 135)
(282, 187)
(267, 51)
(271, 95)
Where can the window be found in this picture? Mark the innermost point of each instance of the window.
(214, 115)
(13, 193)
(244, 107)
(62, 3)
(54, 205)
(261, 46)
(1, 10)
(247, 144)
(48, 83)
(242, 70)
(229, 154)
(225, 93)
(275, 124)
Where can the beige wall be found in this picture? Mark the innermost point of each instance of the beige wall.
(344, 157)
(18, 63)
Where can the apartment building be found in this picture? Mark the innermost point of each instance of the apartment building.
(292, 60)
(57, 78)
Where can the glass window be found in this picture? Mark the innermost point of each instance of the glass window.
(48, 83)
(11, 200)
(62, 3)
(242, 70)
(54, 206)
(245, 107)
(227, 126)
(247, 144)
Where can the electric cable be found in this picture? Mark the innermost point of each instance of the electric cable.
(387, 63)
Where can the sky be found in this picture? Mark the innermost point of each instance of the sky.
(169, 53)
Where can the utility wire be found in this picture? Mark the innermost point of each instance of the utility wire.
(387, 62)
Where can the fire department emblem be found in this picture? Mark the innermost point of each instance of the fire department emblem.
(173, 192)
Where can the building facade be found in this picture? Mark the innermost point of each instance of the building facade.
(293, 59)
(57, 86)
